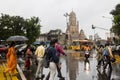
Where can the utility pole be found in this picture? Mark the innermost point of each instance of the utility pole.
(67, 33)
(112, 36)
(94, 27)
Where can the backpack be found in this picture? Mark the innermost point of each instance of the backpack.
(46, 58)
(105, 52)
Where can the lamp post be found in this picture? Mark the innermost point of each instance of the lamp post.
(66, 15)
(66, 35)
(111, 34)
(93, 27)
(109, 18)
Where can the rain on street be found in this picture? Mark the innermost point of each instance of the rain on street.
(74, 67)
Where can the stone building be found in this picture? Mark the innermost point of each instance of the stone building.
(72, 32)
(53, 34)
(82, 35)
(73, 29)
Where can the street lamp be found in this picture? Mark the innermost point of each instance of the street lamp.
(93, 27)
(111, 18)
(66, 15)
(111, 34)
(66, 35)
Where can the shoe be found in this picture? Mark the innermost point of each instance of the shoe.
(60, 76)
(98, 66)
(43, 76)
(40, 77)
(48, 76)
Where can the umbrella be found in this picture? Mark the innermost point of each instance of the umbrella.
(36, 43)
(17, 38)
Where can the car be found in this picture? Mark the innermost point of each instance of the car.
(3, 50)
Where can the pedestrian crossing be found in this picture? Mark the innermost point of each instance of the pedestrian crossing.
(8, 76)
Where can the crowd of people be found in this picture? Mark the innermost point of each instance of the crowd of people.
(104, 57)
(55, 50)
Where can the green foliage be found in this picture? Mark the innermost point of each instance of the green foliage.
(33, 28)
(116, 15)
(16, 25)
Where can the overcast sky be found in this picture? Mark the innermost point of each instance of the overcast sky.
(51, 12)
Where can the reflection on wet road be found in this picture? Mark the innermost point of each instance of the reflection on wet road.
(80, 69)
(75, 67)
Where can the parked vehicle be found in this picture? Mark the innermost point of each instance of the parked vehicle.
(21, 49)
(3, 50)
(79, 44)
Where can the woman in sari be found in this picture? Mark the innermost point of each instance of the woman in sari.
(11, 59)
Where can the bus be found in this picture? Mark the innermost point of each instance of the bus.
(80, 44)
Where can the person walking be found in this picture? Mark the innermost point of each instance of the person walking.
(87, 53)
(39, 53)
(11, 59)
(60, 52)
(54, 61)
(99, 56)
(107, 56)
(28, 55)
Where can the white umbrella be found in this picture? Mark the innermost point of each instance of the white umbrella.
(17, 38)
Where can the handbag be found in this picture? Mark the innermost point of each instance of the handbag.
(113, 60)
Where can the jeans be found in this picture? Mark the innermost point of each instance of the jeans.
(107, 62)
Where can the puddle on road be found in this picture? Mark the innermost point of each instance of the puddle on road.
(80, 69)
(76, 68)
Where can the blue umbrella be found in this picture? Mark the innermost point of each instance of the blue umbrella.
(36, 42)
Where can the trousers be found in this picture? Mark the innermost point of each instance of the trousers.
(39, 71)
(53, 69)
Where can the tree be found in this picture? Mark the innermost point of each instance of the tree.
(11, 25)
(33, 28)
(116, 15)
(116, 26)
(16, 25)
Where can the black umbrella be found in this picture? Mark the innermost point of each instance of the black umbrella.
(17, 38)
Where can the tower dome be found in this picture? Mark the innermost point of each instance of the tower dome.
(72, 13)
(72, 18)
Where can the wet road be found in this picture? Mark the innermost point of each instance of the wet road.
(75, 67)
